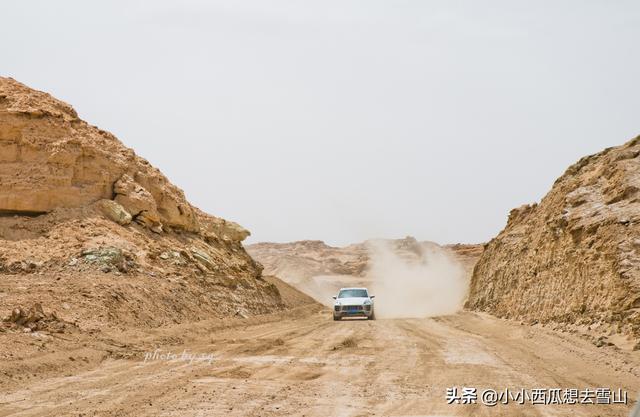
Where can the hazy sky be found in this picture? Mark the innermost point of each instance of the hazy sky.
(344, 120)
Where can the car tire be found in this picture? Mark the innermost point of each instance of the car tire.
(372, 316)
(336, 318)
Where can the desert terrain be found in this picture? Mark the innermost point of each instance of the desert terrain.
(301, 363)
(118, 297)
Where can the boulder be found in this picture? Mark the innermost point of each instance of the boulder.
(203, 258)
(114, 211)
(216, 228)
(137, 201)
(108, 258)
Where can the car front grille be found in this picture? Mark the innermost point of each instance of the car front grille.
(351, 308)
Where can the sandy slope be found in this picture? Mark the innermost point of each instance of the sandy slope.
(304, 364)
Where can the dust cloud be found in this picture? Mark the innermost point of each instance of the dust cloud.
(428, 283)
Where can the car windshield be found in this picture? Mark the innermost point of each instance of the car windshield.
(352, 293)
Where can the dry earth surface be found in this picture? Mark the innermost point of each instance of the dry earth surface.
(106, 268)
(301, 363)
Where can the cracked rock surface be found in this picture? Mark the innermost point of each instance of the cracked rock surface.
(574, 258)
(50, 159)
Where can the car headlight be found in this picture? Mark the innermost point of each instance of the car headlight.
(367, 302)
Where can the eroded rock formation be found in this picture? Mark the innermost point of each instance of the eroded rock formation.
(574, 258)
(104, 238)
(50, 159)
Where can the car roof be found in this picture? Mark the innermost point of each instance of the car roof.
(354, 288)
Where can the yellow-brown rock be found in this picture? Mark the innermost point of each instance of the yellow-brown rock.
(49, 159)
(574, 258)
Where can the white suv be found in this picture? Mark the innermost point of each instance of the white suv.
(353, 302)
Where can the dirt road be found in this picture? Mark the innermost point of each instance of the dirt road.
(312, 366)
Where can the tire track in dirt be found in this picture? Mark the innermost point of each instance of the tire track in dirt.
(311, 366)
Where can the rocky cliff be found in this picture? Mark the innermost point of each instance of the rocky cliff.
(574, 258)
(92, 231)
